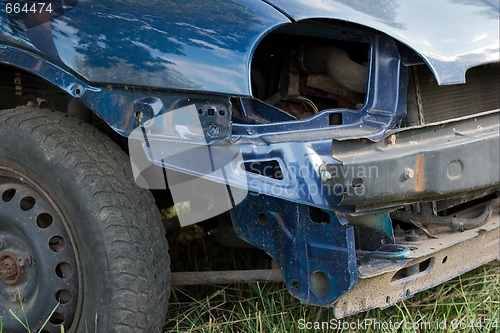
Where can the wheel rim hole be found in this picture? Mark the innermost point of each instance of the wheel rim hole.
(63, 296)
(64, 270)
(27, 203)
(57, 318)
(57, 243)
(44, 220)
(8, 195)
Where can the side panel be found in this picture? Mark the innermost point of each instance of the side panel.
(187, 45)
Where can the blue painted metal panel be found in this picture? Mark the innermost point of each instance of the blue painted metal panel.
(207, 46)
(318, 260)
(189, 45)
(114, 104)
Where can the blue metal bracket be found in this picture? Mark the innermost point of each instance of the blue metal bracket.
(317, 259)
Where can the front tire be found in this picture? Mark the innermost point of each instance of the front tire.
(74, 228)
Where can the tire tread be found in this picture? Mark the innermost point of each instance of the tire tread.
(129, 216)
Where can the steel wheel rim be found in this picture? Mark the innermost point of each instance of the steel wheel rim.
(38, 257)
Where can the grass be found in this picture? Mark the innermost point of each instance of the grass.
(24, 322)
(469, 303)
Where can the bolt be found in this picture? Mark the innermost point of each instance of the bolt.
(213, 131)
(16, 296)
(398, 232)
(326, 175)
(391, 139)
(139, 115)
(250, 131)
(412, 236)
(77, 90)
(24, 260)
(10, 272)
(409, 173)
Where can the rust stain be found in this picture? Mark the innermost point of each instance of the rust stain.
(420, 173)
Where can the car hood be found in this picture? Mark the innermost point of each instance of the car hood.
(451, 36)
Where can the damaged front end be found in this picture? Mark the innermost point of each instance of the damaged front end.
(356, 142)
(363, 178)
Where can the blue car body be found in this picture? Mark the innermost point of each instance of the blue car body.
(123, 58)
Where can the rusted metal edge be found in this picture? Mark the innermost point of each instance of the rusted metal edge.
(225, 277)
(458, 254)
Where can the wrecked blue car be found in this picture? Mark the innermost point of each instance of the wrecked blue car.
(356, 142)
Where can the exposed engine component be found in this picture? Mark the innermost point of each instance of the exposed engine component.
(336, 62)
(21, 88)
(303, 76)
(455, 223)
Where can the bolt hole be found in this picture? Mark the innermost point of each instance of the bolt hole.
(78, 91)
(357, 182)
(319, 283)
(8, 195)
(318, 216)
(335, 119)
(445, 259)
(295, 284)
(57, 318)
(27, 203)
(57, 243)
(388, 299)
(200, 111)
(44, 220)
(64, 270)
(407, 293)
(63, 296)
(222, 113)
(262, 219)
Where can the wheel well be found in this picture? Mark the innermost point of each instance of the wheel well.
(21, 88)
(18, 88)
